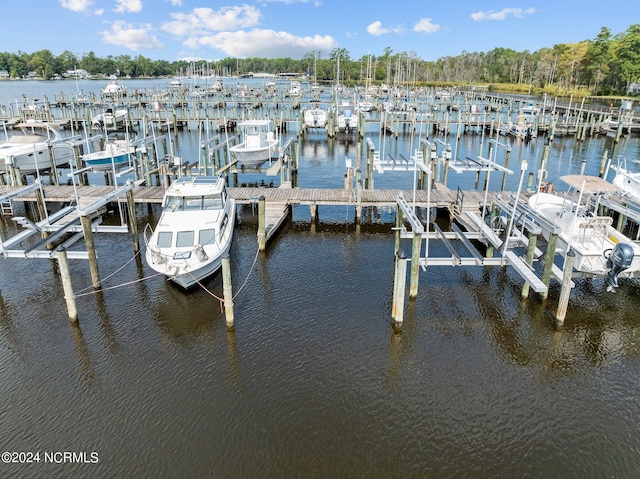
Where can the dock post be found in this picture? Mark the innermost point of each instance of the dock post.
(548, 263)
(262, 231)
(69, 295)
(313, 211)
(91, 250)
(133, 224)
(398, 229)
(507, 156)
(583, 166)
(400, 279)
(566, 288)
(415, 264)
(603, 163)
(227, 291)
(531, 251)
(358, 200)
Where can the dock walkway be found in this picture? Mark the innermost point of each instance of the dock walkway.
(441, 196)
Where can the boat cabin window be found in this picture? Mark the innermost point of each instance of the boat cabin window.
(212, 202)
(183, 203)
(184, 239)
(173, 203)
(164, 239)
(206, 237)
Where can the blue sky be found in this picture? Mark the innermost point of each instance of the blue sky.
(206, 29)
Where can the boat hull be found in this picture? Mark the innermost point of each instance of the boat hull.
(201, 262)
(25, 162)
(107, 162)
(254, 156)
(591, 238)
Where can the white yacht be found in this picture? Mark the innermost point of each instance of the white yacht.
(29, 149)
(194, 231)
(258, 143)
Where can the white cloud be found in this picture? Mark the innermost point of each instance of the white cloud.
(376, 29)
(175, 3)
(263, 43)
(76, 5)
(129, 6)
(202, 20)
(123, 34)
(425, 25)
(502, 14)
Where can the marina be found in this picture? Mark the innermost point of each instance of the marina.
(315, 345)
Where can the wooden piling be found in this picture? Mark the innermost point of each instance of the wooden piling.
(566, 288)
(227, 292)
(548, 263)
(262, 231)
(415, 264)
(131, 220)
(91, 250)
(67, 287)
(399, 283)
(531, 251)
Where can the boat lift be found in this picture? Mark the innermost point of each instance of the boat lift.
(519, 218)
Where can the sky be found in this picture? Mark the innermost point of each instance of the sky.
(213, 29)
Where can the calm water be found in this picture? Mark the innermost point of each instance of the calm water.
(314, 382)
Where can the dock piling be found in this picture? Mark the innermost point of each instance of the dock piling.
(227, 292)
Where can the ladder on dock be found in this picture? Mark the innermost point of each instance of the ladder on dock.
(6, 207)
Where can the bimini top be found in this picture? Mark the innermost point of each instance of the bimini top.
(590, 184)
(196, 185)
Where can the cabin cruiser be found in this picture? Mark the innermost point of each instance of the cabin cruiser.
(194, 231)
(37, 147)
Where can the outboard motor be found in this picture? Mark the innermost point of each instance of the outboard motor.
(619, 260)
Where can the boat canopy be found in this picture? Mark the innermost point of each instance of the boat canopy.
(590, 184)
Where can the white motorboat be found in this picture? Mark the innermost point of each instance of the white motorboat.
(194, 231)
(29, 150)
(626, 180)
(115, 153)
(522, 129)
(110, 118)
(347, 117)
(315, 117)
(258, 143)
(599, 248)
(114, 89)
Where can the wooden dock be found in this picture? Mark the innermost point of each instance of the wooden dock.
(441, 196)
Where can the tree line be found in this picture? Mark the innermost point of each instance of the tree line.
(607, 64)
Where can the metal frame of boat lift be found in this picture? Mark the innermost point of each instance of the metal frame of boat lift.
(519, 218)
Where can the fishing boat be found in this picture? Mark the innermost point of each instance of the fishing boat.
(258, 143)
(114, 89)
(110, 118)
(194, 231)
(599, 248)
(315, 117)
(347, 119)
(34, 147)
(115, 153)
(522, 129)
(626, 180)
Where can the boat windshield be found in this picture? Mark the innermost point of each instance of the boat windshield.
(202, 202)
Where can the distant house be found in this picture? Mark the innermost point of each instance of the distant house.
(634, 89)
(4, 74)
(78, 73)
